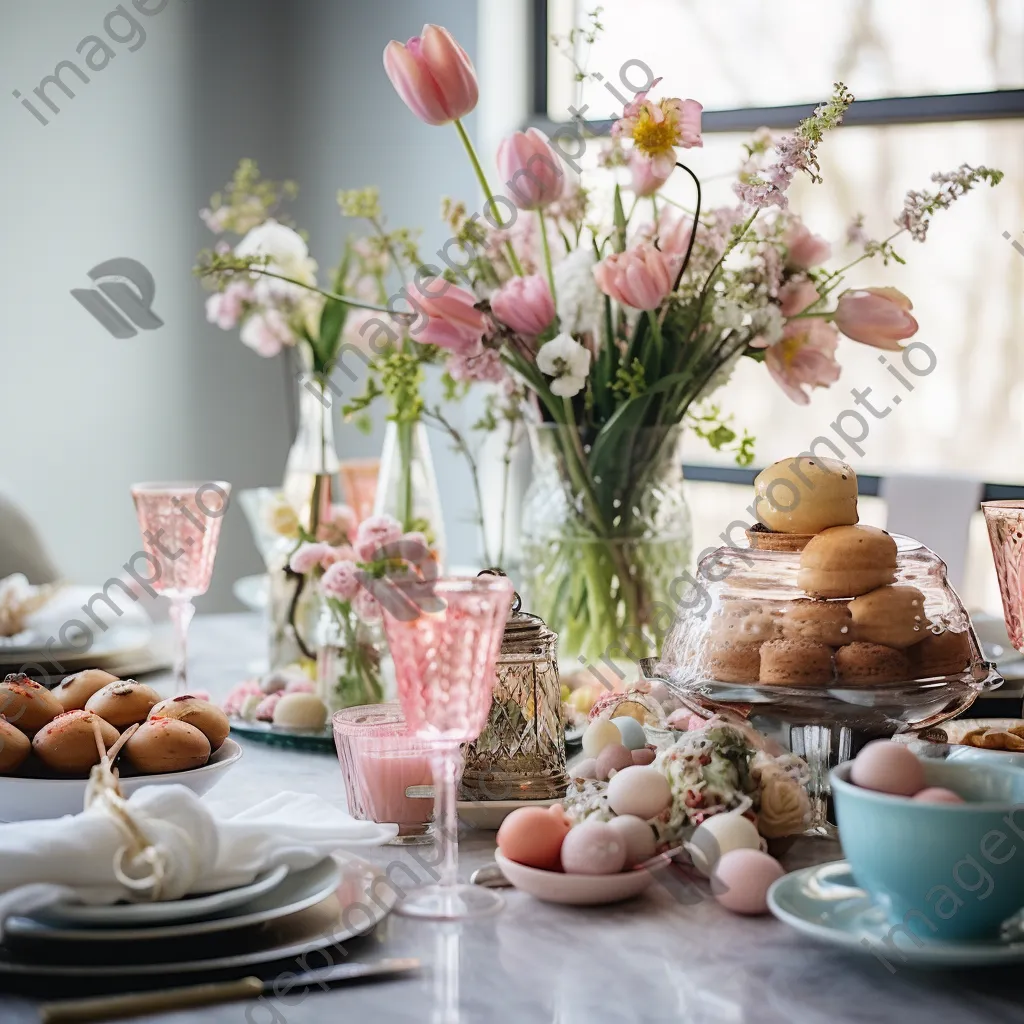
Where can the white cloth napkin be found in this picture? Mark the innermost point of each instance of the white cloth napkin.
(76, 858)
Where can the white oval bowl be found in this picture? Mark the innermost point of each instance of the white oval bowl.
(575, 890)
(30, 799)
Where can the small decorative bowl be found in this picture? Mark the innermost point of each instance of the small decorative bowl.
(574, 890)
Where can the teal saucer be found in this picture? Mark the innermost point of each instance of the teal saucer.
(825, 903)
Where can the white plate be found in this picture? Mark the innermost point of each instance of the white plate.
(29, 799)
(114, 643)
(252, 591)
(191, 908)
(363, 899)
(488, 815)
(574, 890)
(295, 893)
(825, 903)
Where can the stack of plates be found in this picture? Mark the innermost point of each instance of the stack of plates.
(278, 916)
(123, 650)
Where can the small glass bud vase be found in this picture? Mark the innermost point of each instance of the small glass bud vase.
(520, 755)
(349, 659)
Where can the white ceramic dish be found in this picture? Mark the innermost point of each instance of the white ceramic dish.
(574, 890)
(192, 908)
(116, 642)
(487, 815)
(297, 892)
(28, 799)
(253, 591)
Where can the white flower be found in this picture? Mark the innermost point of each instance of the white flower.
(580, 304)
(267, 333)
(567, 361)
(288, 254)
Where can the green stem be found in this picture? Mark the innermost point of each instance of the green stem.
(404, 498)
(547, 254)
(347, 299)
(482, 178)
(656, 338)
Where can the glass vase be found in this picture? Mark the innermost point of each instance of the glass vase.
(349, 659)
(604, 543)
(407, 488)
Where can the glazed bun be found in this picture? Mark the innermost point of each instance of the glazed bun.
(123, 703)
(26, 704)
(206, 717)
(76, 690)
(847, 561)
(806, 495)
(167, 745)
(15, 746)
(68, 743)
(892, 616)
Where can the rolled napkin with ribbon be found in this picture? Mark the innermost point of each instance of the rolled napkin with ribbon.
(164, 843)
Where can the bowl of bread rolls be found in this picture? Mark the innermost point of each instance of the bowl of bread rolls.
(50, 739)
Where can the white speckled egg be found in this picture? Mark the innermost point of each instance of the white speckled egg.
(593, 848)
(639, 790)
(632, 731)
(716, 836)
(888, 767)
(598, 735)
(638, 836)
(742, 878)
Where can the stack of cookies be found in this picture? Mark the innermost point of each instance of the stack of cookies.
(851, 624)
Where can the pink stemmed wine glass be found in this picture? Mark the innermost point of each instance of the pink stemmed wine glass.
(180, 524)
(1005, 521)
(445, 637)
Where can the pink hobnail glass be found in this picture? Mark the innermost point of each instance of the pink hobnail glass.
(180, 524)
(1005, 521)
(445, 637)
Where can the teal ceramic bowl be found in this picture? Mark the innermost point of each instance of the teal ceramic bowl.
(942, 872)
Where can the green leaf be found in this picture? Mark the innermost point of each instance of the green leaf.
(620, 222)
(333, 315)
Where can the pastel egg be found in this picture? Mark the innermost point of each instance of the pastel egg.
(633, 735)
(533, 836)
(639, 790)
(593, 848)
(645, 755)
(613, 759)
(598, 735)
(586, 769)
(742, 878)
(888, 767)
(938, 795)
(638, 836)
(716, 836)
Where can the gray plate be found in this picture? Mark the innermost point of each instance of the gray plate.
(297, 892)
(362, 900)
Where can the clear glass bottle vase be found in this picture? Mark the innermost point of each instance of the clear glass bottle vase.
(350, 659)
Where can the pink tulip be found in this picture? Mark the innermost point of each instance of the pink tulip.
(530, 169)
(805, 357)
(673, 231)
(876, 316)
(452, 319)
(640, 277)
(804, 249)
(646, 176)
(796, 295)
(524, 304)
(433, 75)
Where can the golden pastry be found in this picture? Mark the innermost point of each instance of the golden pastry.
(167, 745)
(123, 703)
(76, 690)
(863, 664)
(26, 704)
(68, 743)
(806, 495)
(15, 746)
(735, 663)
(846, 561)
(893, 616)
(941, 654)
(827, 622)
(206, 717)
(796, 663)
(744, 622)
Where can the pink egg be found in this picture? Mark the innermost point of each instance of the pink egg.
(938, 795)
(645, 755)
(613, 758)
(742, 878)
(586, 769)
(593, 848)
(888, 767)
(534, 836)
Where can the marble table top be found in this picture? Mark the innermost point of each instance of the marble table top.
(672, 955)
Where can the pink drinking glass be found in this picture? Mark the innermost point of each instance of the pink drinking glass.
(180, 524)
(445, 637)
(1005, 521)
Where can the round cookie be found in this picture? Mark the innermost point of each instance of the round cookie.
(744, 622)
(847, 561)
(123, 703)
(206, 717)
(26, 704)
(893, 616)
(68, 743)
(75, 690)
(796, 663)
(940, 654)
(825, 622)
(15, 746)
(806, 495)
(735, 663)
(862, 664)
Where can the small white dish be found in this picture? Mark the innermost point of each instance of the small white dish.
(253, 591)
(191, 908)
(574, 890)
(825, 903)
(487, 815)
(31, 799)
